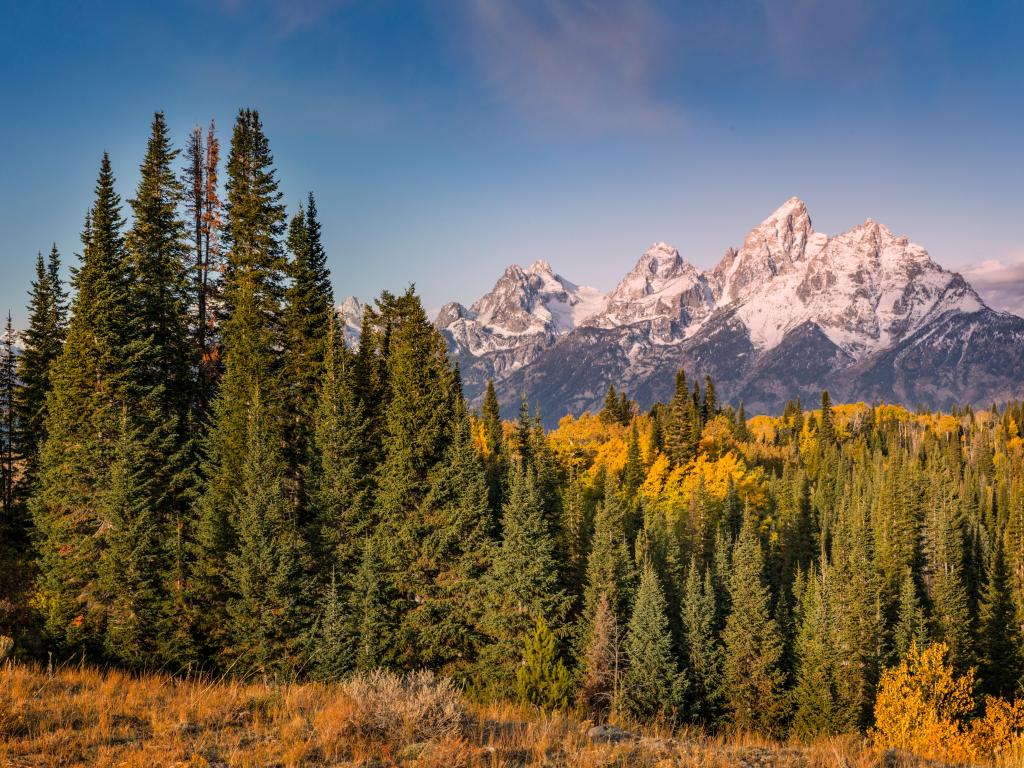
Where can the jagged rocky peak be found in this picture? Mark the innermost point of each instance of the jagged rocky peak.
(351, 313)
(662, 286)
(451, 312)
(783, 239)
(524, 303)
(660, 264)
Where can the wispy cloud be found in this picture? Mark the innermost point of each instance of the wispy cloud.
(811, 34)
(584, 64)
(286, 17)
(1000, 281)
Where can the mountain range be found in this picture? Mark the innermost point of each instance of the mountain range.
(866, 314)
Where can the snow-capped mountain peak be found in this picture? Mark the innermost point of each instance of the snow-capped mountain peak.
(791, 310)
(525, 311)
(781, 240)
(661, 287)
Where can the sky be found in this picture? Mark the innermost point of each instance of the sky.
(446, 139)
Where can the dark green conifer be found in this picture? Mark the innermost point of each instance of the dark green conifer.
(252, 341)
(90, 388)
(753, 678)
(334, 640)
(816, 663)
(703, 654)
(308, 317)
(911, 624)
(267, 588)
(652, 685)
(999, 637)
(41, 344)
(523, 584)
(129, 577)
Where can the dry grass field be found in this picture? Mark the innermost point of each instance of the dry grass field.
(89, 717)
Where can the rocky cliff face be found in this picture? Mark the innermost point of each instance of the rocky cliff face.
(865, 313)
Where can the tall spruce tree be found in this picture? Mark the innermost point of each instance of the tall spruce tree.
(753, 678)
(611, 573)
(816, 663)
(703, 651)
(652, 685)
(130, 564)
(268, 590)
(999, 637)
(523, 583)
(252, 341)
(41, 344)
(90, 387)
(417, 423)
(340, 483)
(162, 378)
(308, 316)
(911, 626)
(449, 554)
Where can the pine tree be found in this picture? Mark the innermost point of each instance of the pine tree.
(827, 429)
(523, 584)
(368, 611)
(494, 447)
(610, 412)
(999, 638)
(703, 651)
(542, 679)
(634, 472)
(603, 663)
(816, 664)
(753, 679)
(267, 588)
(340, 488)
(652, 685)
(944, 569)
(679, 430)
(334, 639)
(41, 345)
(308, 316)
(130, 563)
(252, 340)
(90, 387)
(162, 380)
(418, 424)
(449, 553)
(911, 625)
(610, 570)
(156, 250)
(742, 429)
(858, 611)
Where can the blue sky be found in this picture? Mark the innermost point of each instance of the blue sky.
(447, 139)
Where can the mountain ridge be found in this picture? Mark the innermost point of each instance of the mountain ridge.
(790, 310)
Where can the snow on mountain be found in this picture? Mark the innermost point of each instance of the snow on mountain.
(526, 308)
(778, 243)
(351, 313)
(661, 287)
(791, 310)
(865, 289)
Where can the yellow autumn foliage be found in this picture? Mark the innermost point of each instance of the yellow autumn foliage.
(672, 488)
(763, 428)
(924, 708)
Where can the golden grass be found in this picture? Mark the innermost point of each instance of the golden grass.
(91, 717)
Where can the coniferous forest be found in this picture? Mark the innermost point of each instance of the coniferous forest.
(200, 476)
